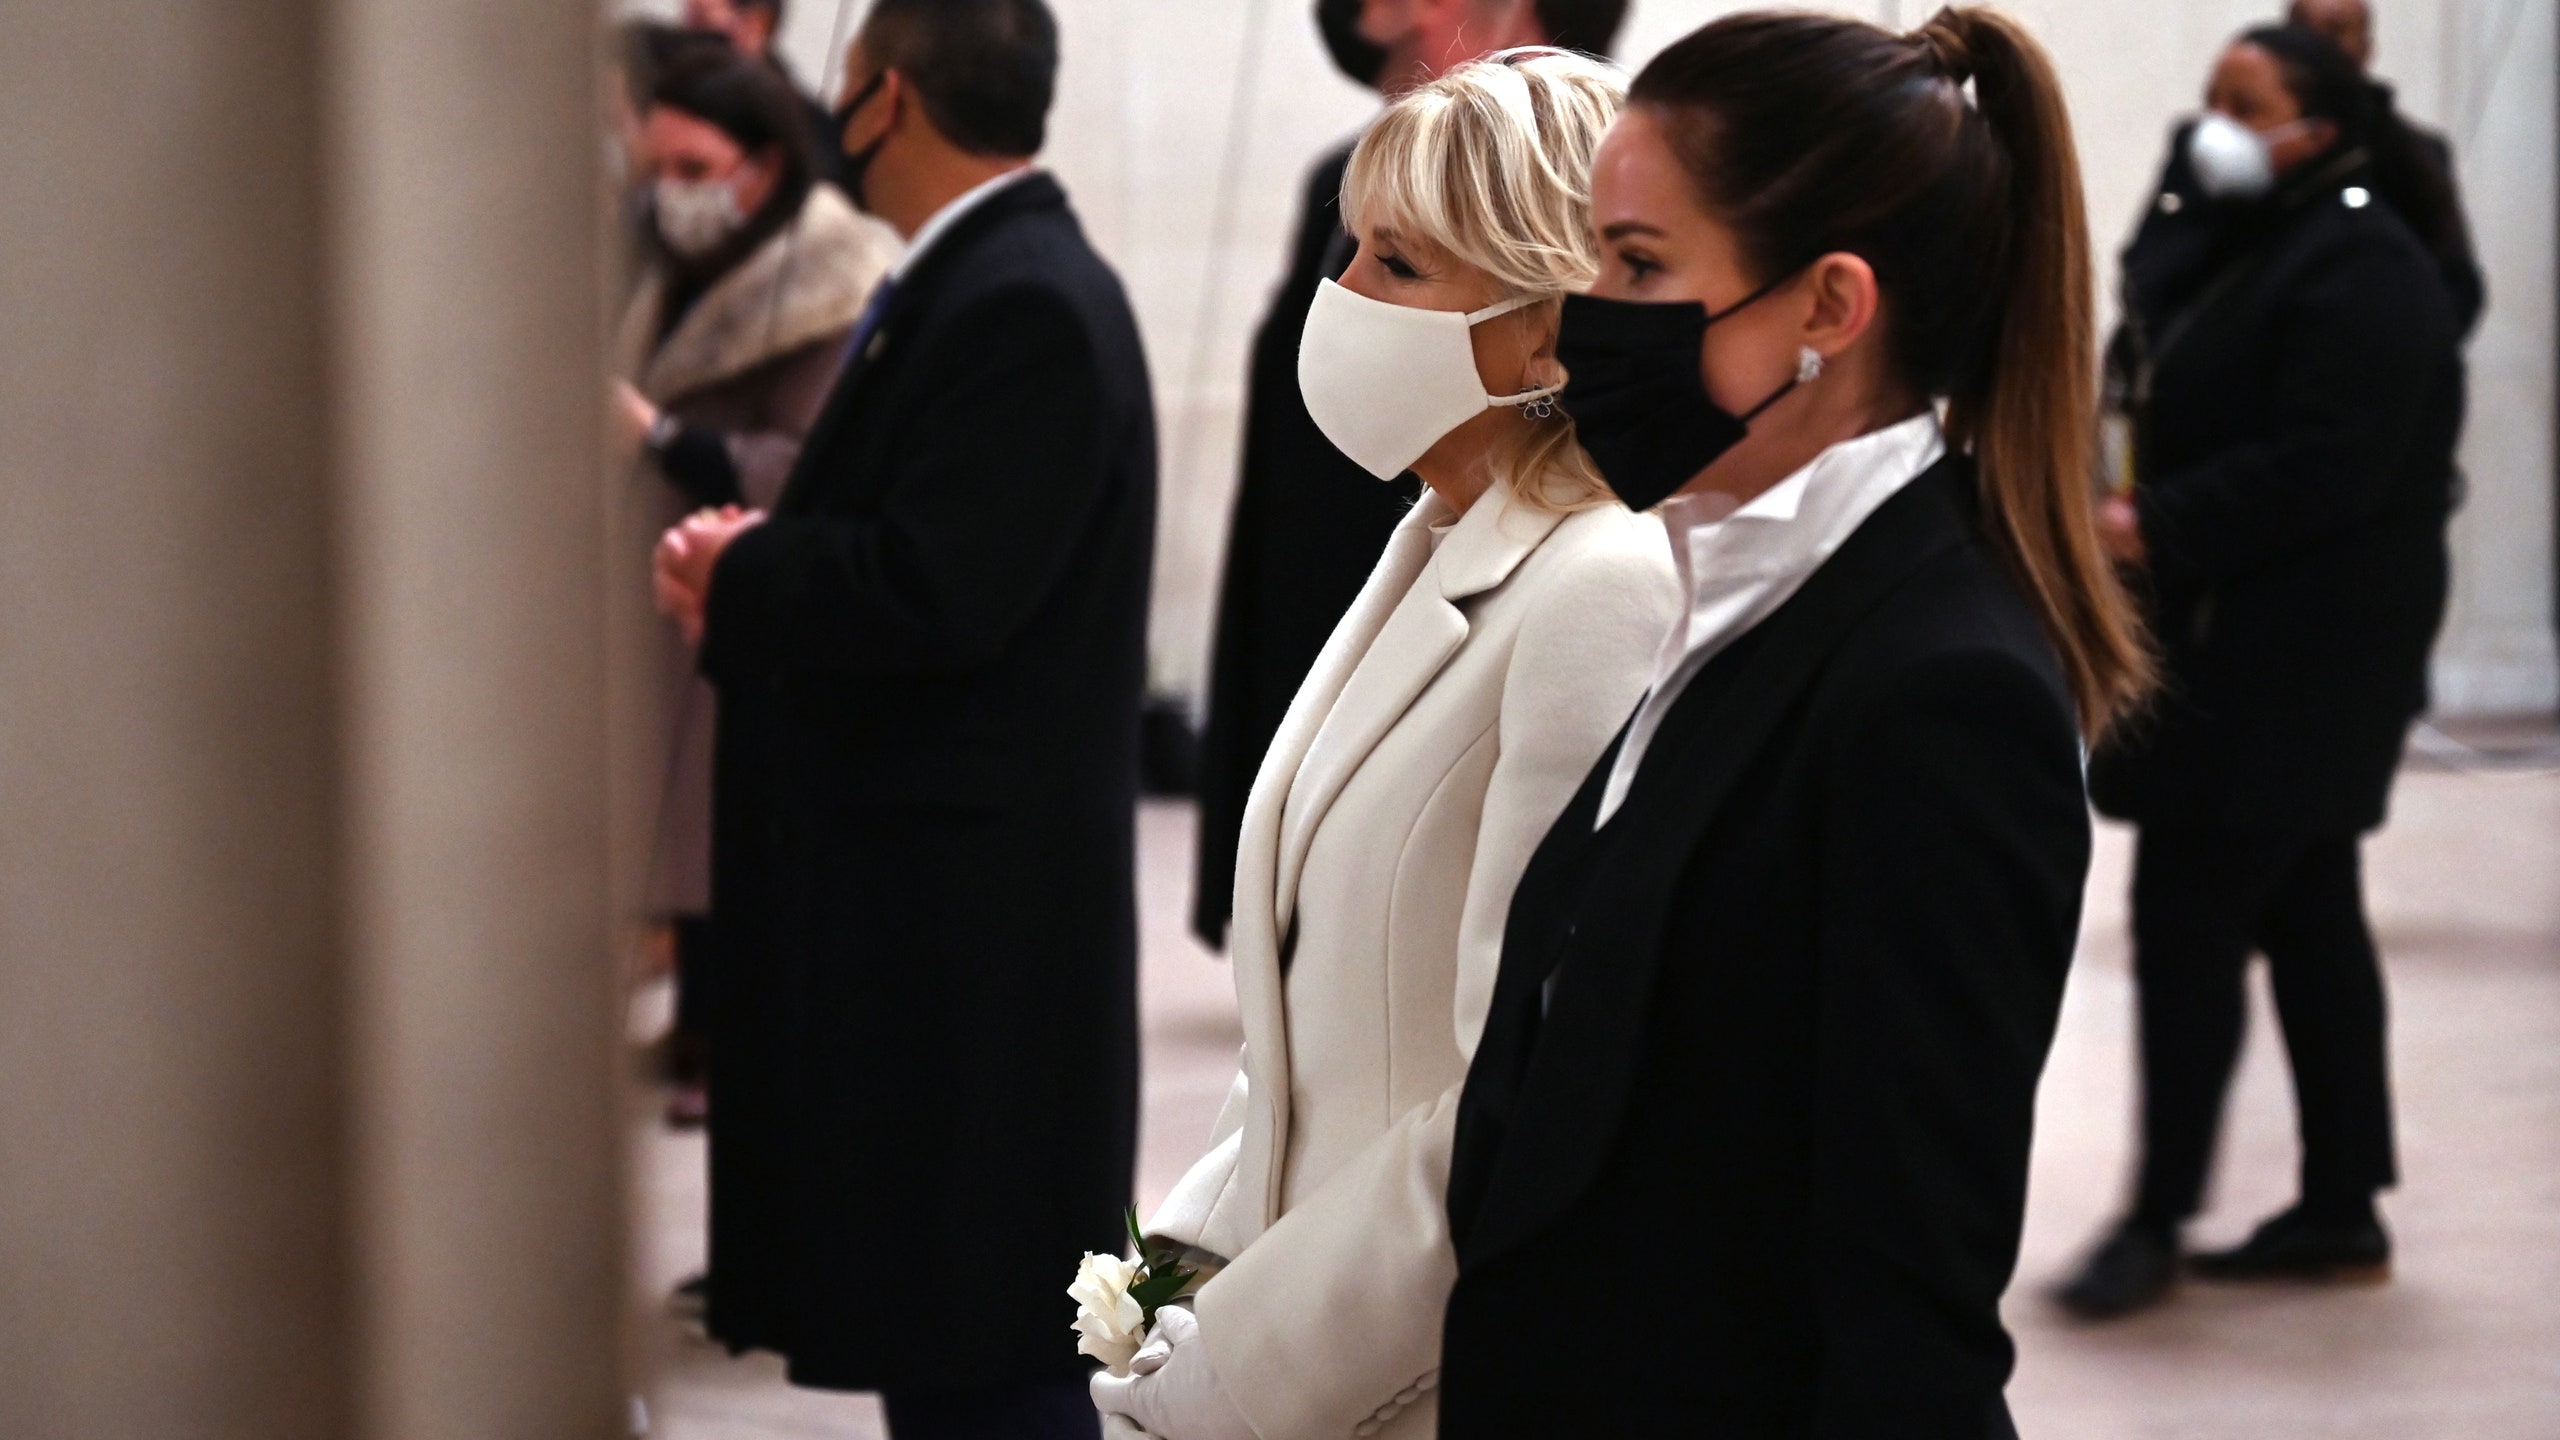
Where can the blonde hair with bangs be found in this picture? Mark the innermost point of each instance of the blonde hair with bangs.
(1492, 163)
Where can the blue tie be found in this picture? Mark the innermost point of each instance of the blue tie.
(872, 310)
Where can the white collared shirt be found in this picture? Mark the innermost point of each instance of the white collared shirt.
(942, 220)
(1739, 566)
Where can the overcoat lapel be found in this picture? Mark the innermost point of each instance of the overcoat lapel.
(1566, 1118)
(880, 353)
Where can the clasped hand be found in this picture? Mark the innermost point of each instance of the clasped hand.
(686, 556)
(1172, 1391)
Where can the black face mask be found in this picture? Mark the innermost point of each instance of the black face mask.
(1632, 389)
(1354, 54)
(857, 163)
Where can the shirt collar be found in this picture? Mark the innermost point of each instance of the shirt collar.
(939, 225)
(1890, 456)
(1796, 523)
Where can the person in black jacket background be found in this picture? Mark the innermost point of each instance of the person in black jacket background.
(1743, 1151)
(2348, 24)
(929, 662)
(1308, 523)
(2290, 371)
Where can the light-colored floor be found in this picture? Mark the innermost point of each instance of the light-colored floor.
(2465, 888)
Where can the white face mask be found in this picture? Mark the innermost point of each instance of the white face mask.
(695, 217)
(1385, 382)
(2232, 161)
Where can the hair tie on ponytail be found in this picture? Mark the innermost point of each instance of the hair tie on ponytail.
(1949, 54)
(1946, 46)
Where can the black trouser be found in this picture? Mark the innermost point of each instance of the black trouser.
(693, 974)
(2203, 899)
(1057, 1410)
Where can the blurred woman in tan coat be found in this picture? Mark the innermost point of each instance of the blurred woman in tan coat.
(732, 340)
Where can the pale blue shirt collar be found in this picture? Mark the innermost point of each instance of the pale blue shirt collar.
(939, 225)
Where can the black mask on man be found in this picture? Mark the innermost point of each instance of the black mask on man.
(1633, 391)
(857, 163)
(1354, 54)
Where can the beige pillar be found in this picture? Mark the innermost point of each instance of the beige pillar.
(470, 585)
(172, 1200)
(307, 1120)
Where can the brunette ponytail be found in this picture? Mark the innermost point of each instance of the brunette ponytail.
(1944, 159)
(2031, 416)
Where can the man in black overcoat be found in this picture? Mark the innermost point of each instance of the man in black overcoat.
(1309, 524)
(929, 663)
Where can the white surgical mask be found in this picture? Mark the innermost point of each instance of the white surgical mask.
(2232, 161)
(695, 217)
(1385, 382)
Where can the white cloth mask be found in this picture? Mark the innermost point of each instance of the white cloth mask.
(1385, 382)
(696, 217)
(2232, 161)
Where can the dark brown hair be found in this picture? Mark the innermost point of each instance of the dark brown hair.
(745, 98)
(1944, 159)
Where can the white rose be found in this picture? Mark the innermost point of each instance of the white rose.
(1109, 1325)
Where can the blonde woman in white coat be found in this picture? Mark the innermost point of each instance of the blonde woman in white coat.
(1506, 633)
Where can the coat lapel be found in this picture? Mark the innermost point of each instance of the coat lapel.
(805, 283)
(1396, 637)
(1565, 1120)
(1256, 933)
(913, 298)
(1425, 629)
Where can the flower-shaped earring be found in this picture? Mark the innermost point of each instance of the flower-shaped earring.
(1808, 366)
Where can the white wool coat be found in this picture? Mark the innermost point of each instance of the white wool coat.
(1455, 711)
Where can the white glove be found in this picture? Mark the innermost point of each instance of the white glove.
(1172, 1388)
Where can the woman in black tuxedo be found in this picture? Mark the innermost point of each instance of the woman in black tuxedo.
(1744, 1150)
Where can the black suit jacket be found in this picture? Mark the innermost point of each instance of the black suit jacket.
(2296, 458)
(1308, 526)
(929, 665)
(1743, 1151)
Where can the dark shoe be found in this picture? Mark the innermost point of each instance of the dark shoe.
(690, 1304)
(2293, 1246)
(2133, 1270)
